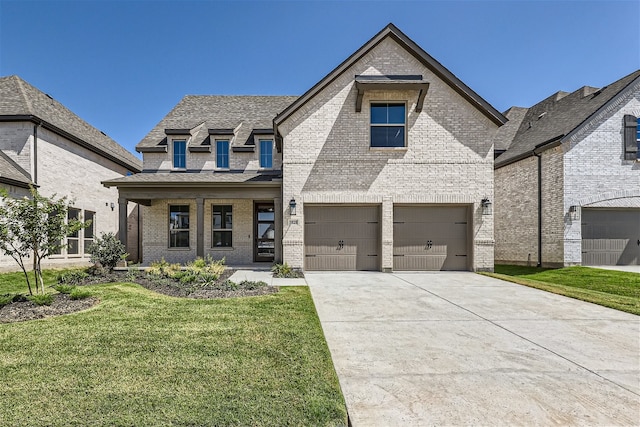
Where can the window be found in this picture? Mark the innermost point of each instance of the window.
(73, 240)
(222, 154)
(180, 154)
(89, 232)
(638, 138)
(266, 153)
(179, 226)
(387, 125)
(222, 226)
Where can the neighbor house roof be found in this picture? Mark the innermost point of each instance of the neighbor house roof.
(200, 116)
(427, 60)
(21, 101)
(11, 173)
(555, 117)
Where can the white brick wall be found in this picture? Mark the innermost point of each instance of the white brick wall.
(448, 159)
(595, 169)
(65, 169)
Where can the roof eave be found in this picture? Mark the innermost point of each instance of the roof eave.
(544, 146)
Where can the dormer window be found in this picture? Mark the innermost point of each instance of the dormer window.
(222, 154)
(266, 153)
(179, 154)
(388, 125)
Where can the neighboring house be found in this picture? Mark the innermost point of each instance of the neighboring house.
(567, 184)
(44, 144)
(384, 164)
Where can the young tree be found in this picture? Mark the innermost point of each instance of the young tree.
(34, 227)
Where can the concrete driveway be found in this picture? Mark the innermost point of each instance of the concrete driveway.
(461, 349)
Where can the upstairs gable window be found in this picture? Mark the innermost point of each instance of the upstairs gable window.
(388, 125)
(180, 154)
(222, 154)
(266, 153)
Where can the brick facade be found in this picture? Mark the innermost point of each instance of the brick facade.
(448, 159)
(65, 169)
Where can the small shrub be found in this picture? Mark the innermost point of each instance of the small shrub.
(227, 285)
(207, 279)
(42, 299)
(73, 277)
(6, 299)
(64, 289)
(107, 251)
(186, 277)
(164, 269)
(285, 271)
(207, 265)
(132, 274)
(251, 285)
(79, 293)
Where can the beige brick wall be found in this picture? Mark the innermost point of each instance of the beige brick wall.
(65, 169)
(448, 159)
(552, 208)
(156, 232)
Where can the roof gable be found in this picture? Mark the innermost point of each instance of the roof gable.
(559, 115)
(391, 31)
(21, 101)
(12, 173)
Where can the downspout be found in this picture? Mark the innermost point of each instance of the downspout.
(35, 152)
(539, 156)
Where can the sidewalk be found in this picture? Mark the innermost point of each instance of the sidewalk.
(263, 275)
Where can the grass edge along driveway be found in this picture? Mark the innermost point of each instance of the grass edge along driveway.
(141, 358)
(614, 289)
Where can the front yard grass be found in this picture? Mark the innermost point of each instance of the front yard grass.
(141, 358)
(614, 289)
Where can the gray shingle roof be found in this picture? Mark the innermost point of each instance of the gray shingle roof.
(241, 113)
(19, 98)
(557, 116)
(508, 131)
(195, 178)
(11, 172)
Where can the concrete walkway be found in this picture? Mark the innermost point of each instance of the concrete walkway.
(463, 349)
(629, 268)
(264, 276)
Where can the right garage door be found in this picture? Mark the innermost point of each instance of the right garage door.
(611, 237)
(430, 238)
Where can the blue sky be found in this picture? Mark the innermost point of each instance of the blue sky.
(122, 65)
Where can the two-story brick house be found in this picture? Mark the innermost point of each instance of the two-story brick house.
(42, 143)
(384, 164)
(567, 184)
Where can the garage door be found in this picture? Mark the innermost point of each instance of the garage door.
(341, 237)
(611, 237)
(430, 238)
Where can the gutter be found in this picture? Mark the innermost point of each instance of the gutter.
(543, 146)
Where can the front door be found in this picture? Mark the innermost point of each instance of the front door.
(265, 232)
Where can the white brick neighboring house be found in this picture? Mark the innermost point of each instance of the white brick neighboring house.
(581, 150)
(44, 144)
(382, 165)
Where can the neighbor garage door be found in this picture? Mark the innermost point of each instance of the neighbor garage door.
(341, 237)
(611, 237)
(430, 238)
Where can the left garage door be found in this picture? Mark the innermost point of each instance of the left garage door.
(342, 237)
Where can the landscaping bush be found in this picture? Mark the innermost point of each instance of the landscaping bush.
(285, 271)
(64, 289)
(78, 293)
(73, 277)
(207, 265)
(251, 285)
(107, 251)
(163, 268)
(41, 299)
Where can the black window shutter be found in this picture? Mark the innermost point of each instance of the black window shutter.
(630, 141)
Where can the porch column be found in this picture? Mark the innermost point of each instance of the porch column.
(200, 227)
(122, 220)
(277, 202)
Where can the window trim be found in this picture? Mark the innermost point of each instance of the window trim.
(227, 154)
(173, 153)
(225, 230)
(188, 230)
(403, 125)
(75, 238)
(84, 231)
(260, 141)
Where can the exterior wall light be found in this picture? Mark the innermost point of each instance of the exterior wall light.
(112, 205)
(292, 207)
(574, 213)
(486, 206)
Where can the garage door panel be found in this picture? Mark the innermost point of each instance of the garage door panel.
(430, 238)
(342, 238)
(610, 237)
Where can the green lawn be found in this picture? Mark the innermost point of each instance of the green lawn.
(141, 358)
(614, 289)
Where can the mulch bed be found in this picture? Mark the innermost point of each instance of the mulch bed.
(27, 310)
(63, 304)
